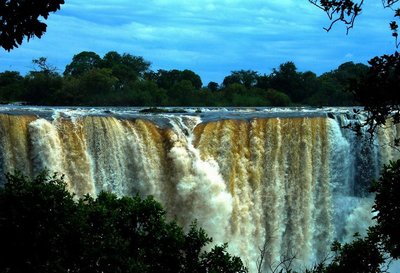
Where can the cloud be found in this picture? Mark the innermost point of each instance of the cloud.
(210, 37)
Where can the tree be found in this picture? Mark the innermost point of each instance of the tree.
(346, 11)
(43, 66)
(219, 260)
(11, 86)
(287, 80)
(277, 98)
(361, 256)
(126, 67)
(349, 71)
(263, 81)
(332, 88)
(309, 85)
(143, 93)
(377, 91)
(82, 63)
(110, 59)
(168, 78)
(188, 75)
(70, 93)
(35, 219)
(20, 19)
(235, 88)
(231, 79)
(42, 83)
(387, 207)
(136, 63)
(181, 93)
(246, 77)
(98, 86)
(44, 228)
(213, 86)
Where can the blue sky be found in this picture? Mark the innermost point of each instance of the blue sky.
(210, 37)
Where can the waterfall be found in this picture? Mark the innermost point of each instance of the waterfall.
(293, 183)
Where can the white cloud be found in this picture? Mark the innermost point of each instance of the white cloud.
(211, 36)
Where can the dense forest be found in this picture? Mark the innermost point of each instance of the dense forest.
(127, 80)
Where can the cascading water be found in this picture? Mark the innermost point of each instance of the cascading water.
(293, 180)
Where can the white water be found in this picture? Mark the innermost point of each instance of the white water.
(294, 182)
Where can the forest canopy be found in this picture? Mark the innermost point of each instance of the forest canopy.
(127, 80)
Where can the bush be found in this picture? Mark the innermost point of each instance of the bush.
(387, 206)
(43, 228)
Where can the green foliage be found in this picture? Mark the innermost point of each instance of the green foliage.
(126, 68)
(143, 93)
(42, 85)
(70, 93)
(277, 98)
(213, 86)
(20, 19)
(248, 78)
(378, 91)
(195, 80)
(233, 90)
(359, 256)
(335, 87)
(97, 85)
(362, 255)
(231, 79)
(44, 228)
(219, 260)
(180, 93)
(111, 58)
(167, 79)
(82, 63)
(11, 86)
(36, 218)
(387, 207)
(348, 72)
(287, 80)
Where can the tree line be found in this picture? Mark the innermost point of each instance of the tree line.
(127, 80)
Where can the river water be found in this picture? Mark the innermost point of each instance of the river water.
(290, 178)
